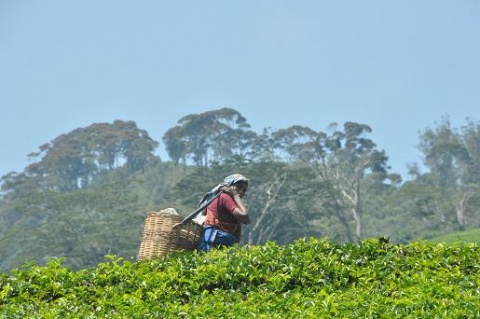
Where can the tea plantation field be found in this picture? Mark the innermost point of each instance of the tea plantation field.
(469, 235)
(311, 278)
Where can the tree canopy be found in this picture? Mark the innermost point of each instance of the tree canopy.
(89, 190)
(73, 161)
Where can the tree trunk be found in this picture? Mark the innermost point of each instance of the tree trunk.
(460, 208)
(264, 226)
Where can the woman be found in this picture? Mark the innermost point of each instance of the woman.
(225, 214)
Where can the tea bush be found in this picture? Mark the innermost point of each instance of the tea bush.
(310, 278)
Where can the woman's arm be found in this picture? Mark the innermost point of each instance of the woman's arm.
(240, 212)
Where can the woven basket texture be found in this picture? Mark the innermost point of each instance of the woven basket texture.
(159, 238)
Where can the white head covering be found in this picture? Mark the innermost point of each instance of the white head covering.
(228, 181)
(233, 179)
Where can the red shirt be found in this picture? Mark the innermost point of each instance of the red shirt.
(222, 208)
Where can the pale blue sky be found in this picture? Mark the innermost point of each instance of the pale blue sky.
(398, 66)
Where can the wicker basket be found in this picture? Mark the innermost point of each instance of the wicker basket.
(159, 238)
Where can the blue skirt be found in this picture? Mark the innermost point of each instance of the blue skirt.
(213, 237)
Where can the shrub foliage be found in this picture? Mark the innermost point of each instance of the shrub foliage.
(309, 278)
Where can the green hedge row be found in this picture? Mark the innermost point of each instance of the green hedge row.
(310, 278)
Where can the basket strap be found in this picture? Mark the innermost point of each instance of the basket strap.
(192, 215)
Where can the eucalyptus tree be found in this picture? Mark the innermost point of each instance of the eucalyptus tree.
(282, 203)
(73, 160)
(263, 147)
(175, 145)
(209, 137)
(452, 158)
(470, 138)
(469, 198)
(341, 160)
(353, 156)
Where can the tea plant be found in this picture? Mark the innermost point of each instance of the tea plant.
(310, 278)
